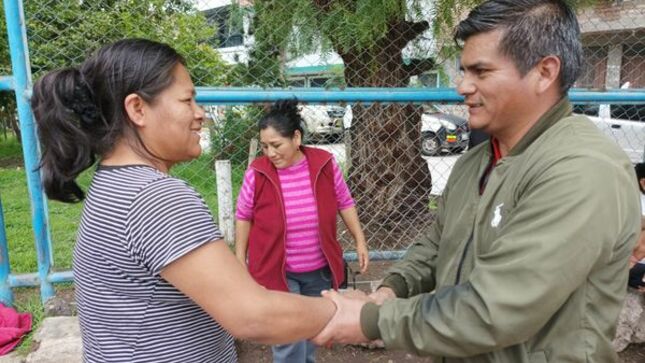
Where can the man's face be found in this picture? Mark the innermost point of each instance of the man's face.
(494, 91)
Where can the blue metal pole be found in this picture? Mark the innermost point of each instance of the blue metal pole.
(26, 280)
(236, 96)
(22, 82)
(5, 289)
(376, 255)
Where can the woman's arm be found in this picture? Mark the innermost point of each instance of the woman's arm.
(212, 277)
(244, 215)
(242, 229)
(350, 218)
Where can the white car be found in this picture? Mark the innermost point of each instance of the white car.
(323, 121)
(440, 130)
(624, 124)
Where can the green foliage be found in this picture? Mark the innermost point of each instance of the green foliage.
(5, 62)
(299, 27)
(231, 136)
(62, 33)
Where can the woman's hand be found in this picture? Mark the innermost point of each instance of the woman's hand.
(350, 217)
(363, 255)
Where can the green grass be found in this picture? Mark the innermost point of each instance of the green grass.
(10, 148)
(64, 218)
(28, 300)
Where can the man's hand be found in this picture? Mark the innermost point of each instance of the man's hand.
(639, 251)
(344, 327)
(382, 294)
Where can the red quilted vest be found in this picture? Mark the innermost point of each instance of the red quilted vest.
(266, 250)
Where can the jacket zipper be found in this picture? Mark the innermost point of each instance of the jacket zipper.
(284, 230)
(313, 187)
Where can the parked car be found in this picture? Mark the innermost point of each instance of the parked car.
(624, 124)
(323, 122)
(441, 131)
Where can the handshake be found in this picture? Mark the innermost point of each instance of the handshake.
(345, 326)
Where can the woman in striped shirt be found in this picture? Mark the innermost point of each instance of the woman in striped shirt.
(286, 217)
(154, 280)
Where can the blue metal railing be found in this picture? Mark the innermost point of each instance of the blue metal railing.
(20, 83)
(237, 96)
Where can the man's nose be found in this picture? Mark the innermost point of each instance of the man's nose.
(465, 86)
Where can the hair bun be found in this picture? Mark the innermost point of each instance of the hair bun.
(288, 107)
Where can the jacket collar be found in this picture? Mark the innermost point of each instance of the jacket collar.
(559, 111)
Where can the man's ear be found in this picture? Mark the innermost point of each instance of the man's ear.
(548, 72)
(134, 107)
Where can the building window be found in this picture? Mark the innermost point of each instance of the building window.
(318, 81)
(297, 82)
(229, 33)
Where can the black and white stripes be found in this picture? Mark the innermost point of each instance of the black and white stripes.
(136, 220)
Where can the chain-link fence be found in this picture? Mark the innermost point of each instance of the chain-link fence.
(396, 157)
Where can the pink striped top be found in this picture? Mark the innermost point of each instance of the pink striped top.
(303, 252)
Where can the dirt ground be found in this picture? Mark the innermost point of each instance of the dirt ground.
(257, 353)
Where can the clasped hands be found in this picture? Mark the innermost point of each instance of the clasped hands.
(345, 327)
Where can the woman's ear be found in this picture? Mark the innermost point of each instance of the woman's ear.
(297, 138)
(134, 107)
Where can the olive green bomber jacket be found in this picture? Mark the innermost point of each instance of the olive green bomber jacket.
(534, 269)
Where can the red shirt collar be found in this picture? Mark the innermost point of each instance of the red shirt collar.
(497, 153)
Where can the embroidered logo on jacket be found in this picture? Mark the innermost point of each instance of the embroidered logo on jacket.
(497, 216)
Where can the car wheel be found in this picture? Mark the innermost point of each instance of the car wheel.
(429, 144)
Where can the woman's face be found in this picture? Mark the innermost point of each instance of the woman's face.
(282, 151)
(174, 121)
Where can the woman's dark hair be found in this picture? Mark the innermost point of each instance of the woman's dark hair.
(284, 118)
(80, 111)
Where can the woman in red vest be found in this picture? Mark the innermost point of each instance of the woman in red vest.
(286, 217)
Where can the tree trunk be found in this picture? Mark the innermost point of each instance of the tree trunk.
(388, 176)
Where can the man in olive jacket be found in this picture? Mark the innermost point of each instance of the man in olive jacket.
(527, 260)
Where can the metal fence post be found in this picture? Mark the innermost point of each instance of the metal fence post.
(17, 34)
(225, 199)
(6, 296)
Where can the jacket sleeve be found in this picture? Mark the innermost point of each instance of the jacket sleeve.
(415, 273)
(566, 220)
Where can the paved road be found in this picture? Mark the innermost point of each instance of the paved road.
(440, 166)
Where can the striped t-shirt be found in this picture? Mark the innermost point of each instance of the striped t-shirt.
(137, 220)
(303, 251)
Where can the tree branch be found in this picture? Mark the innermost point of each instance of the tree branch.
(408, 31)
(418, 66)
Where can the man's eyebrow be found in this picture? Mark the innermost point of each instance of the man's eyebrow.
(475, 65)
